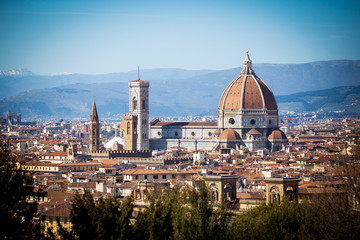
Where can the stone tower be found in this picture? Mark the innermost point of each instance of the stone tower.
(94, 129)
(130, 133)
(139, 107)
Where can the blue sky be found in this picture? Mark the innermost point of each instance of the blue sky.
(54, 36)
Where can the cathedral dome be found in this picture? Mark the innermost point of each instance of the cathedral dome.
(229, 135)
(247, 91)
(253, 131)
(277, 135)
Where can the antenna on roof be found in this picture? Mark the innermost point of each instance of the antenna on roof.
(138, 72)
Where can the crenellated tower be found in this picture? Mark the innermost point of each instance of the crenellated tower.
(94, 144)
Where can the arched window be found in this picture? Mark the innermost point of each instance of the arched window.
(134, 103)
(290, 192)
(275, 195)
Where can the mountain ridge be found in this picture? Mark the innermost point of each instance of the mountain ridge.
(199, 91)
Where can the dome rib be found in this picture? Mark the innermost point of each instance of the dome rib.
(247, 91)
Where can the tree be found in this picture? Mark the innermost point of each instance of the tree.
(284, 221)
(105, 219)
(180, 215)
(18, 216)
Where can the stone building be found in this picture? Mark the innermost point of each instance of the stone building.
(94, 144)
(247, 118)
(139, 107)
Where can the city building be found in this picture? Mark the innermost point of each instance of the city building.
(247, 118)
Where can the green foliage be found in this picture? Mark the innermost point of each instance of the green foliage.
(17, 214)
(184, 214)
(106, 219)
(188, 214)
(273, 221)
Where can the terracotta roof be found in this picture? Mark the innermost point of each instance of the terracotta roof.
(139, 80)
(106, 161)
(58, 212)
(247, 92)
(141, 171)
(128, 185)
(179, 124)
(277, 135)
(229, 135)
(253, 131)
(63, 154)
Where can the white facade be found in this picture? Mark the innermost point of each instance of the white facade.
(247, 106)
(139, 106)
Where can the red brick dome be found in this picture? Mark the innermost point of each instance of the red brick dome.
(247, 91)
(229, 135)
(277, 135)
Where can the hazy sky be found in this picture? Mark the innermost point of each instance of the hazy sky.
(75, 36)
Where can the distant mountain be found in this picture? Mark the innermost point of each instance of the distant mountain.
(14, 84)
(282, 78)
(74, 101)
(180, 92)
(19, 72)
(334, 99)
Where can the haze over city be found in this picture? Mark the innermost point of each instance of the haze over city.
(94, 37)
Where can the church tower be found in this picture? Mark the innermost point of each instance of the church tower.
(130, 133)
(94, 129)
(139, 107)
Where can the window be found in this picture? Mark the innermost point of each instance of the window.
(173, 176)
(193, 134)
(145, 177)
(176, 134)
(143, 104)
(134, 103)
(270, 122)
(209, 134)
(159, 133)
(231, 121)
(155, 176)
(164, 176)
(136, 177)
(252, 121)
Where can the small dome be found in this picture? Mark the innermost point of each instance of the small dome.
(217, 131)
(247, 91)
(277, 135)
(253, 131)
(229, 135)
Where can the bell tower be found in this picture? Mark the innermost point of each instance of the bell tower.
(94, 143)
(139, 107)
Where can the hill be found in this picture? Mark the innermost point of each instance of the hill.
(13, 81)
(328, 100)
(74, 101)
(181, 92)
